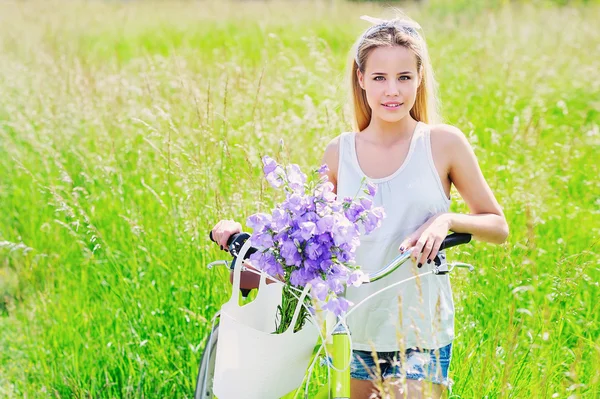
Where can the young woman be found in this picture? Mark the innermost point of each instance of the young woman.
(413, 163)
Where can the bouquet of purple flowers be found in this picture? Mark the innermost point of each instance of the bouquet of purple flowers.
(311, 238)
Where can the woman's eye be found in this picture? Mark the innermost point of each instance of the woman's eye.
(404, 77)
(377, 78)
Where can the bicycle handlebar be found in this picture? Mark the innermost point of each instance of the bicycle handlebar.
(235, 242)
(455, 239)
(450, 241)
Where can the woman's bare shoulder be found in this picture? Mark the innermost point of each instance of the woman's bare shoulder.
(448, 137)
(334, 145)
(332, 151)
(332, 156)
(447, 134)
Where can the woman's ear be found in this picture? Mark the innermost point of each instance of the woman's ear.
(359, 75)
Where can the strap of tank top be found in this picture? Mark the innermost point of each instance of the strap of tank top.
(429, 155)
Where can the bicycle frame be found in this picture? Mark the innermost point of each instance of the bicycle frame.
(338, 348)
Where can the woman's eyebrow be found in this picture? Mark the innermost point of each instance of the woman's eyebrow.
(399, 73)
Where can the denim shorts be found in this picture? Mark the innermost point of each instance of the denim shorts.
(417, 364)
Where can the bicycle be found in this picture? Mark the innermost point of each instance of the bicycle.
(337, 343)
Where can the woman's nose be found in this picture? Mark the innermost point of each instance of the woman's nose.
(392, 89)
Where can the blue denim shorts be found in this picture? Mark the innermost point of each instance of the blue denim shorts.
(417, 364)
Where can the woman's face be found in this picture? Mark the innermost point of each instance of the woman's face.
(390, 81)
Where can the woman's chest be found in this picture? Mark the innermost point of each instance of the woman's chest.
(378, 161)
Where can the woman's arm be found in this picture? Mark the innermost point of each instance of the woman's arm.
(486, 221)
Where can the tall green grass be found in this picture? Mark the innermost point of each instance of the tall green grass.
(128, 129)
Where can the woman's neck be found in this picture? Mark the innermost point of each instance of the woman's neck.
(387, 132)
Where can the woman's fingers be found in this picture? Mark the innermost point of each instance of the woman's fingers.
(427, 247)
(223, 230)
(436, 248)
(231, 228)
(226, 232)
(216, 232)
(417, 249)
(407, 244)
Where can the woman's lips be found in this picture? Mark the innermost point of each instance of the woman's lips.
(392, 106)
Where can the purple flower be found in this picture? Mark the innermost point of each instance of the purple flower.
(280, 219)
(325, 224)
(319, 289)
(343, 230)
(314, 250)
(269, 164)
(373, 220)
(325, 192)
(310, 216)
(336, 207)
(307, 229)
(301, 277)
(324, 238)
(371, 189)
(290, 254)
(354, 212)
(259, 221)
(273, 172)
(296, 178)
(322, 208)
(326, 264)
(311, 237)
(262, 240)
(311, 264)
(294, 203)
(366, 203)
(277, 177)
(337, 305)
(266, 262)
(356, 278)
(335, 285)
(282, 237)
(344, 256)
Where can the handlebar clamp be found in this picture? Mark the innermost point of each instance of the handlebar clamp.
(441, 265)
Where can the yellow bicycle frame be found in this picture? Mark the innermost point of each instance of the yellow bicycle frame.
(340, 351)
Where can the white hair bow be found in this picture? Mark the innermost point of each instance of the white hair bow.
(403, 23)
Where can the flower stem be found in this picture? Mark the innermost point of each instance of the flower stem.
(286, 310)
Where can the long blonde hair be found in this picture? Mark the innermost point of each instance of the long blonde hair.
(396, 32)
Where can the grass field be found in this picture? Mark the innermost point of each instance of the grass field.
(127, 129)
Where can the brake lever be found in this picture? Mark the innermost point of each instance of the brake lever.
(218, 263)
(464, 265)
(445, 268)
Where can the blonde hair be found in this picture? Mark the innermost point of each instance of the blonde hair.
(396, 32)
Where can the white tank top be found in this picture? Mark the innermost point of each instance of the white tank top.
(420, 312)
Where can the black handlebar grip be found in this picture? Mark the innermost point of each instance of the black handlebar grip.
(455, 239)
(230, 240)
(235, 243)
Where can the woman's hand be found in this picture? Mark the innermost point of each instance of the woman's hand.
(223, 230)
(426, 241)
